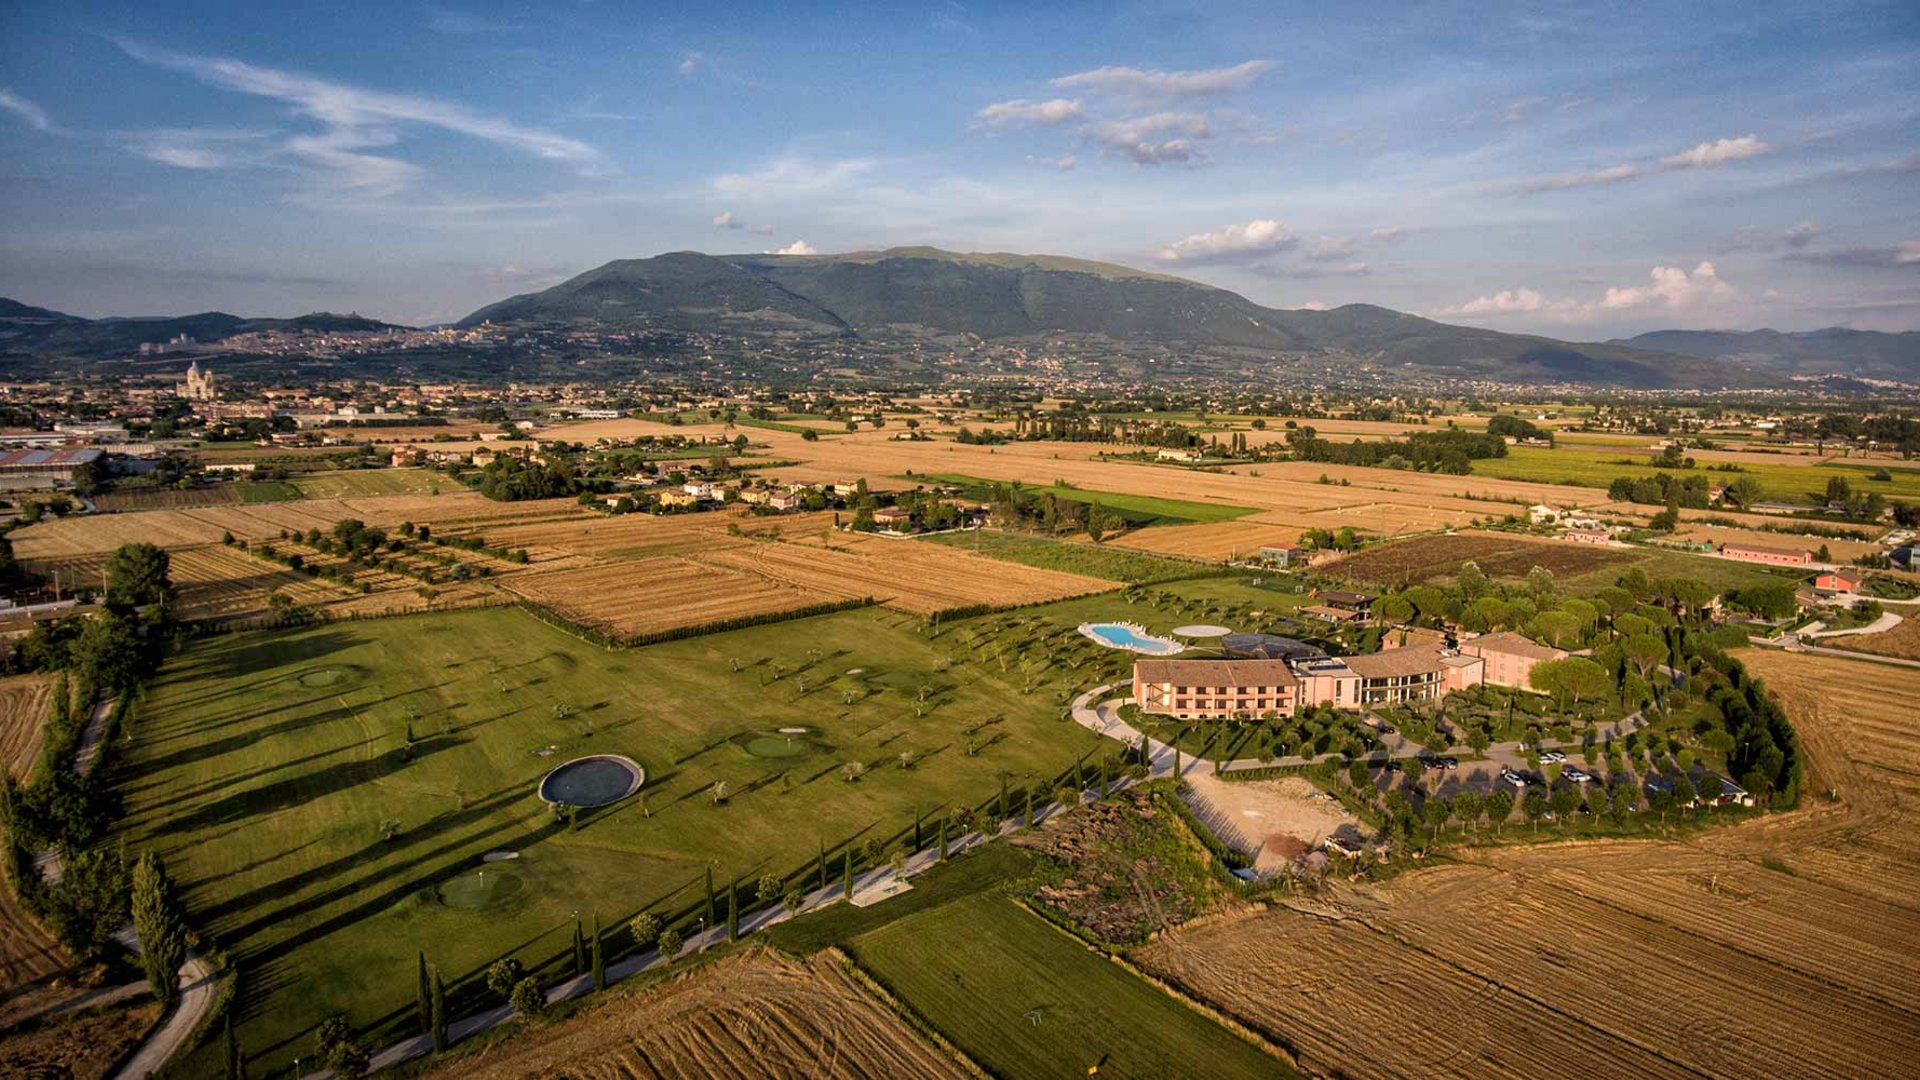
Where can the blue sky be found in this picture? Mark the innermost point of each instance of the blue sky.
(1583, 170)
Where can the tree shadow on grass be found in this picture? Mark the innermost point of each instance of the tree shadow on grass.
(297, 790)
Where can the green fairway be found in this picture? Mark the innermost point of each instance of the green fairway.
(266, 491)
(1113, 564)
(1024, 999)
(1782, 482)
(270, 769)
(354, 483)
(1138, 509)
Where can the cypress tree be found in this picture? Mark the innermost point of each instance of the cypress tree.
(599, 959)
(823, 862)
(439, 1013)
(943, 838)
(579, 949)
(156, 920)
(1002, 813)
(425, 1004)
(1176, 763)
(733, 909)
(1029, 807)
(713, 913)
(846, 881)
(236, 1065)
(916, 831)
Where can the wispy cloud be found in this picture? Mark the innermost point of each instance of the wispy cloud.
(355, 120)
(1150, 85)
(791, 175)
(34, 116)
(197, 148)
(1063, 163)
(690, 62)
(1706, 155)
(1021, 112)
(1761, 238)
(461, 23)
(1902, 256)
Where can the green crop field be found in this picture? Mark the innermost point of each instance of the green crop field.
(1781, 482)
(1139, 509)
(266, 491)
(1024, 998)
(1113, 564)
(320, 851)
(355, 483)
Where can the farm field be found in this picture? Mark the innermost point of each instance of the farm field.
(1087, 559)
(1782, 479)
(756, 1013)
(136, 499)
(1025, 999)
(645, 596)
(183, 528)
(1139, 508)
(359, 483)
(904, 574)
(1780, 946)
(267, 767)
(1505, 555)
(1220, 540)
(1902, 641)
(27, 952)
(88, 1047)
(645, 535)
(1844, 551)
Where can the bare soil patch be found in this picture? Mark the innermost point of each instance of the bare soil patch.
(1275, 821)
(1430, 558)
(77, 1048)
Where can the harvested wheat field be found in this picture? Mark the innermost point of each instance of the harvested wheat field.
(901, 574)
(84, 1047)
(1779, 946)
(25, 701)
(647, 535)
(1223, 540)
(757, 1014)
(185, 528)
(27, 953)
(1902, 641)
(649, 595)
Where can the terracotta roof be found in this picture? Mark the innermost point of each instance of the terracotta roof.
(1215, 672)
(1512, 645)
(1395, 663)
(1763, 549)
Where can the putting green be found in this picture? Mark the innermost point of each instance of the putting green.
(778, 746)
(326, 676)
(484, 888)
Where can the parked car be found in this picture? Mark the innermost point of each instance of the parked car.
(1449, 763)
(1513, 778)
(1552, 757)
(1578, 776)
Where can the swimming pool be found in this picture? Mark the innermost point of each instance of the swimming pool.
(1131, 638)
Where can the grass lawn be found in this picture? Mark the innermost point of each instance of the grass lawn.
(267, 768)
(266, 491)
(1025, 999)
(1138, 509)
(1782, 482)
(353, 483)
(1113, 564)
(1719, 574)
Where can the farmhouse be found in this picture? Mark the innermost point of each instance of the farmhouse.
(1283, 555)
(1509, 657)
(1771, 556)
(1838, 582)
(1223, 689)
(1588, 536)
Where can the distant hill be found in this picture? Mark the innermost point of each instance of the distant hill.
(1006, 296)
(1859, 353)
(38, 331)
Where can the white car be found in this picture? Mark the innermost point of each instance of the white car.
(1575, 775)
(1513, 778)
(1552, 757)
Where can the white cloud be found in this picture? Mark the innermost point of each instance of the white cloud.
(690, 62)
(726, 220)
(1063, 163)
(790, 175)
(1020, 111)
(35, 116)
(1143, 84)
(1708, 154)
(1159, 139)
(1314, 305)
(356, 120)
(798, 247)
(1234, 243)
(1672, 288)
(1387, 234)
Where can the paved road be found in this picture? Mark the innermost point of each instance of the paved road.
(198, 990)
(1792, 643)
(1887, 621)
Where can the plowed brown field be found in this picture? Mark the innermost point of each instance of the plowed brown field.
(754, 1015)
(1783, 946)
(27, 953)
